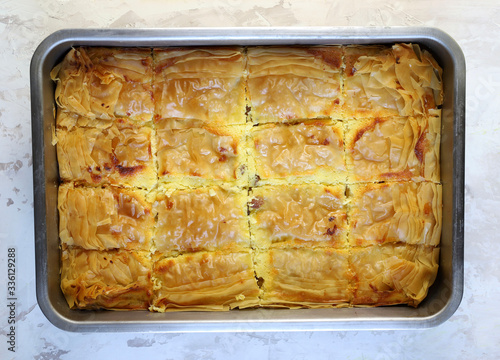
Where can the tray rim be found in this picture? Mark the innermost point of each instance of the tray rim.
(248, 36)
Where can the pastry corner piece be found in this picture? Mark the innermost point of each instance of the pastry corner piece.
(294, 83)
(394, 149)
(205, 281)
(404, 212)
(298, 216)
(304, 278)
(122, 154)
(206, 84)
(401, 80)
(392, 274)
(106, 83)
(113, 280)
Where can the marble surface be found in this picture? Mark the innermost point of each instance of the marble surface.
(474, 330)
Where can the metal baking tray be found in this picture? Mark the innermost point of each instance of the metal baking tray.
(444, 296)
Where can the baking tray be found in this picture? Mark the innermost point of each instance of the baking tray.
(444, 296)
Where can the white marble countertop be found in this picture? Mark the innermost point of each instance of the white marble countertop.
(472, 332)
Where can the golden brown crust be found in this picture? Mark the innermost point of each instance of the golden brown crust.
(201, 219)
(305, 152)
(392, 274)
(298, 216)
(106, 83)
(311, 278)
(395, 148)
(104, 218)
(205, 281)
(384, 81)
(291, 83)
(206, 84)
(120, 154)
(395, 212)
(106, 279)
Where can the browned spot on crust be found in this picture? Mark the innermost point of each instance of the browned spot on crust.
(96, 178)
(405, 174)
(336, 102)
(256, 202)
(326, 142)
(222, 158)
(350, 61)
(427, 208)
(128, 170)
(428, 102)
(420, 147)
(331, 231)
(331, 218)
(369, 127)
(194, 173)
(330, 55)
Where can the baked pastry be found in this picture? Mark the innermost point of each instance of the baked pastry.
(294, 83)
(205, 281)
(104, 218)
(310, 278)
(298, 216)
(201, 155)
(393, 273)
(115, 279)
(205, 84)
(381, 81)
(403, 212)
(200, 219)
(215, 178)
(305, 152)
(395, 148)
(106, 83)
(121, 154)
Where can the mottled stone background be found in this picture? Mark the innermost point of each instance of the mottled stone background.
(472, 333)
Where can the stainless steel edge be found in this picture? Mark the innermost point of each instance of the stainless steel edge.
(443, 300)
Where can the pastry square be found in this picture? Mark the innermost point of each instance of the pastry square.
(298, 216)
(200, 219)
(106, 83)
(115, 280)
(294, 83)
(201, 155)
(395, 212)
(310, 278)
(105, 218)
(121, 154)
(395, 148)
(392, 274)
(381, 81)
(305, 152)
(206, 84)
(206, 281)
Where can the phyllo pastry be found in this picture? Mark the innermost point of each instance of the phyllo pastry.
(106, 83)
(292, 83)
(201, 154)
(392, 274)
(117, 279)
(395, 148)
(206, 84)
(298, 216)
(121, 154)
(311, 278)
(305, 152)
(105, 218)
(388, 81)
(395, 212)
(206, 281)
(199, 219)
